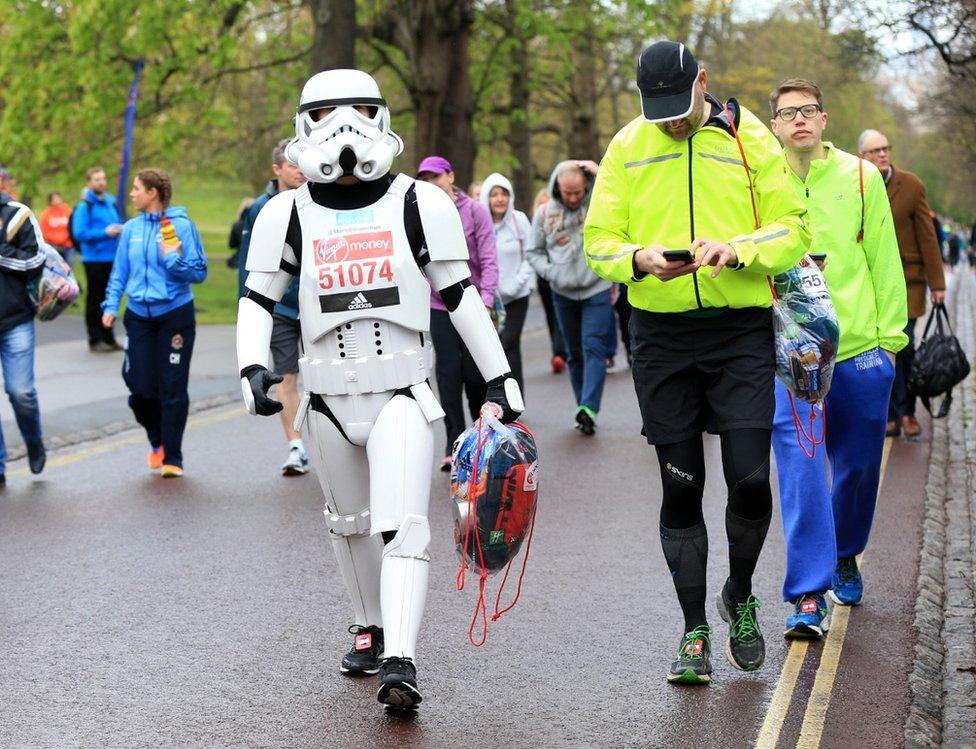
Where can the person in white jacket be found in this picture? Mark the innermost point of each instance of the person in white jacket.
(515, 275)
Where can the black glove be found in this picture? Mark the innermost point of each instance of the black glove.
(510, 401)
(261, 380)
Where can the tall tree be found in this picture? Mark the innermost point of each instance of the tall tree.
(334, 39)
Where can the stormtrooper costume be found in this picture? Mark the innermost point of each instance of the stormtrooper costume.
(364, 244)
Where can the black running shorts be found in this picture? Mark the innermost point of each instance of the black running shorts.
(697, 374)
(286, 335)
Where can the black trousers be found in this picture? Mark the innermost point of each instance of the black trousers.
(511, 336)
(902, 402)
(555, 333)
(96, 276)
(156, 369)
(456, 373)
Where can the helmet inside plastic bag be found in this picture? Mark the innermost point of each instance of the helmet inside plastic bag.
(496, 471)
(806, 331)
(55, 289)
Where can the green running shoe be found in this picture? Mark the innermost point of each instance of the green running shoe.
(694, 662)
(745, 648)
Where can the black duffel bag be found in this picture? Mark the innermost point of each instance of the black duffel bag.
(940, 363)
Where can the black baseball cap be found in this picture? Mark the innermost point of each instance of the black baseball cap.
(666, 75)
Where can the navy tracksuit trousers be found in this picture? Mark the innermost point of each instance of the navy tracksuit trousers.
(156, 368)
(829, 518)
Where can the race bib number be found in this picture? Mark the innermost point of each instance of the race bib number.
(355, 271)
(812, 282)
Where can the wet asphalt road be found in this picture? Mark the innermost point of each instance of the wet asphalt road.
(137, 612)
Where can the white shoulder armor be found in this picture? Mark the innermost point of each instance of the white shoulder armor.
(268, 233)
(441, 222)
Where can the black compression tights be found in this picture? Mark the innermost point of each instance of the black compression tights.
(745, 463)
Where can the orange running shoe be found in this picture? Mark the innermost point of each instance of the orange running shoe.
(154, 458)
(171, 472)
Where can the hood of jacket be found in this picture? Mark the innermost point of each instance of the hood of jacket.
(492, 181)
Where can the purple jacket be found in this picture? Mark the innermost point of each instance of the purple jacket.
(479, 232)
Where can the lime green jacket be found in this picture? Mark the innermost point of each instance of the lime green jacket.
(865, 279)
(652, 189)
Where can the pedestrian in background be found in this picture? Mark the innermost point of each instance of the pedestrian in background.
(160, 254)
(7, 183)
(236, 230)
(21, 260)
(286, 331)
(559, 355)
(54, 222)
(96, 225)
(828, 499)
(474, 190)
(515, 275)
(701, 324)
(580, 298)
(921, 260)
(456, 370)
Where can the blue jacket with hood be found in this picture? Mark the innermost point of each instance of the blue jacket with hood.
(89, 220)
(155, 285)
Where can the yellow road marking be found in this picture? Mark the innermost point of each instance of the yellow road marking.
(815, 716)
(107, 445)
(780, 704)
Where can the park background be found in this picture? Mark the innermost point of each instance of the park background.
(507, 85)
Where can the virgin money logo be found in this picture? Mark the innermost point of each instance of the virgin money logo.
(345, 247)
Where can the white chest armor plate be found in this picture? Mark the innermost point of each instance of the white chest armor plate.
(363, 301)
(358, 264)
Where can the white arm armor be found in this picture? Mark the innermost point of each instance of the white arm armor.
(268, 234)
(441, 222)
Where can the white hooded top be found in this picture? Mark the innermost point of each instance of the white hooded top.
(512, 235)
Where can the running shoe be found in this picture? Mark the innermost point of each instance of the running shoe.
(446, 463)
(558, 364)
(810, 617)
(171, 472)
(847, 585)
(586, 420)
(297, 463)
(745, 648)
(693, 664)
(367, 647)
(154, 458)
(398, 684)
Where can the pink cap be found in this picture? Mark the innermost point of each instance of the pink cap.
(435, 165)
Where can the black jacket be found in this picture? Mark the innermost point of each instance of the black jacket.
(21, 260)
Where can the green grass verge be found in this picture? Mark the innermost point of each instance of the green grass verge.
(212, 204)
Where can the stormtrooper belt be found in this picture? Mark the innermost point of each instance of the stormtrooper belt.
(367, 374)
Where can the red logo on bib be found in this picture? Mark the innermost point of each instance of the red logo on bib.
(351, 247)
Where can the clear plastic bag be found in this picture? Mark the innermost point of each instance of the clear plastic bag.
(55, 289)
(494, 492)
(806, 331)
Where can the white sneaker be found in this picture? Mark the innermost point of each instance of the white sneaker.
(297, 463)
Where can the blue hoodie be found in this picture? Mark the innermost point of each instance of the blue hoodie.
(153, 284)
(89, 219)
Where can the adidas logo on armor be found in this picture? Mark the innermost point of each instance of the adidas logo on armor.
(360, 302)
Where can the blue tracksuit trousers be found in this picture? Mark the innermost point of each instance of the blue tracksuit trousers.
(826, 518)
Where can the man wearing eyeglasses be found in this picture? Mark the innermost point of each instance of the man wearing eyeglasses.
(827, 521)
(921, 261)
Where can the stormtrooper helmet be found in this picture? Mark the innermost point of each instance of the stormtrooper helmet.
(343, 128)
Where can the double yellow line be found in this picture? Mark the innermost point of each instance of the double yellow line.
(815, 716)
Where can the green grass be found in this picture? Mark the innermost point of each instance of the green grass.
(212, 204)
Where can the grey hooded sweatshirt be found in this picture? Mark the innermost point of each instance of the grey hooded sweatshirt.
(555, 249)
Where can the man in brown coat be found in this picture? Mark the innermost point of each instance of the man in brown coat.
(921, 260)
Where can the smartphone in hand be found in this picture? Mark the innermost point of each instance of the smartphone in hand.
(683, 256)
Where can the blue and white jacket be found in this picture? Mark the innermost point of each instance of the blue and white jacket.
(155, 285)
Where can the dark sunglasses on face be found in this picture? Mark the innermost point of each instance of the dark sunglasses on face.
(788, 114)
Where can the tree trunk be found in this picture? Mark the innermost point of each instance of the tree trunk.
(584, 138)
(334, 42)
(519, 132)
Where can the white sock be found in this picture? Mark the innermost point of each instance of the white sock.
(292, 444)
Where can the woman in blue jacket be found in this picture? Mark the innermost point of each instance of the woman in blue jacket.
(159, 320)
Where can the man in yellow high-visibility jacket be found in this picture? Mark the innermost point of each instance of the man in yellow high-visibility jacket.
(708, 179)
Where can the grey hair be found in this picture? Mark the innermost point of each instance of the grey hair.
(278, 155)
(864, 136)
